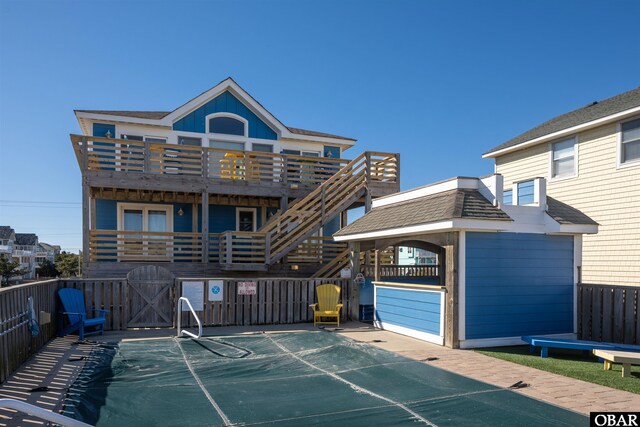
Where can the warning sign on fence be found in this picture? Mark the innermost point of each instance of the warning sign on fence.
(247, 288)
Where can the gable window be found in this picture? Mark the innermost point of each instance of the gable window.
(525, 193)
(227, 124)
(507, 197)
(630, 141)
(563, 158)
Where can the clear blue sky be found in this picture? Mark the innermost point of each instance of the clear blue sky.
(440, 82)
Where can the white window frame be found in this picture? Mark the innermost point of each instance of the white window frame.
(619, 163)
(145, 208)
(226, 135)
(254, 211)
(575, 160)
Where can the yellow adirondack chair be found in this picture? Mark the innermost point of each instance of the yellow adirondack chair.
(327, 305)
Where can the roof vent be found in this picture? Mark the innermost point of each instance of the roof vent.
(592, 104)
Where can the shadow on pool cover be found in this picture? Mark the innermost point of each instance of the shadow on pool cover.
(301, 378)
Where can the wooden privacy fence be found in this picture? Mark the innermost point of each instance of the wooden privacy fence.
(16, 342)
(609, 313)
(277, 300)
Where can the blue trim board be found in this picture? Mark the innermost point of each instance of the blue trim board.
(417, 310)
(518, 284)
(225, 103)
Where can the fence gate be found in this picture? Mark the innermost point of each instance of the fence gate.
(150, 297)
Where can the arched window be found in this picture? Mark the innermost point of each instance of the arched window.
(227, 125)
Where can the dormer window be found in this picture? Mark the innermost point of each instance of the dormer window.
(227, 124)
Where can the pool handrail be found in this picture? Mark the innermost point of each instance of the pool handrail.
(179, 315)
(42, 413)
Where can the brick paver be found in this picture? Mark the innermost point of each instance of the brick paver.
(566, 392)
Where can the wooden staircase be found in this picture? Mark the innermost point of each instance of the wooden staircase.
(288, 229)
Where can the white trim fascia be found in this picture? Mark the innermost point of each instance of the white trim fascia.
(109, 118)
(462, 283)
(563, 132)
(325, 140)
(505, 341)
(427, 190)
(423, 336)
(449, 225)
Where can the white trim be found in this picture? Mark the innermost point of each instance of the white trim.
(505, 341)
(144, 207)
(563, 132)
(462, 284)
(427, 190)
(577, 262)
(575, 173)
(255, 217)
(619, 163)
(230, 116)
(424, 336)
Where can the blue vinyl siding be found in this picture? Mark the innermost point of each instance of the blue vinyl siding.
(518, 284)
(417, 310)
(525, 193)
(224, 103)
(331, 226)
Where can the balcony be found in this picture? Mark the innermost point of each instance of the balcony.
(119, 159)
(247, 248)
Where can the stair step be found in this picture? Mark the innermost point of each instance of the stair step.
(244, 267)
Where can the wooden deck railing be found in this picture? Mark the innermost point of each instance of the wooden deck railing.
(124, 155)
(316, 250)
(289, 229)
(242, 247)
(403, 270)
(119, 245)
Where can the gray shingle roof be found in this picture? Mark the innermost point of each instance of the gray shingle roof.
(436, 207)
(314, 133)
(594, 111)
(154, 115)
(6, 232)
(565, 214)
(26, 239)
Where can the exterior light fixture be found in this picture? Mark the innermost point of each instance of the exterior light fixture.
(180, 212)
(108, 134)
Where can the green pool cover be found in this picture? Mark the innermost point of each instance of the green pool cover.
(289, 379)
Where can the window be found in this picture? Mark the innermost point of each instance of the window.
(630, 140)
(141, 138)
(563, 158)
(186, 140)
(227, 126)
(264, 148)
(225, 145)
(507, 197)
(137, 221)
(246, 219)
(525, 193)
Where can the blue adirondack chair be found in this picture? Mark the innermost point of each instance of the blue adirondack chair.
(73, 308)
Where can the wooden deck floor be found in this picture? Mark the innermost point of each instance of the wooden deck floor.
(50, 368)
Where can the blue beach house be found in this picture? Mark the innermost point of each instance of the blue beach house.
(507, 267)
(218, 186)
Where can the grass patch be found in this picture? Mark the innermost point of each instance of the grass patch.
(569, 363)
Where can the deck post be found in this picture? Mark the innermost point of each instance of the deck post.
(451, 338)
(147, 160)
(354, 288)
(367, 195)
(229, 243)
(205, 227)
(267, 248)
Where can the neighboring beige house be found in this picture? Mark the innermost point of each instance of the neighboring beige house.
(591, 160)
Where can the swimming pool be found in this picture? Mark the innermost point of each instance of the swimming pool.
(288, 379)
